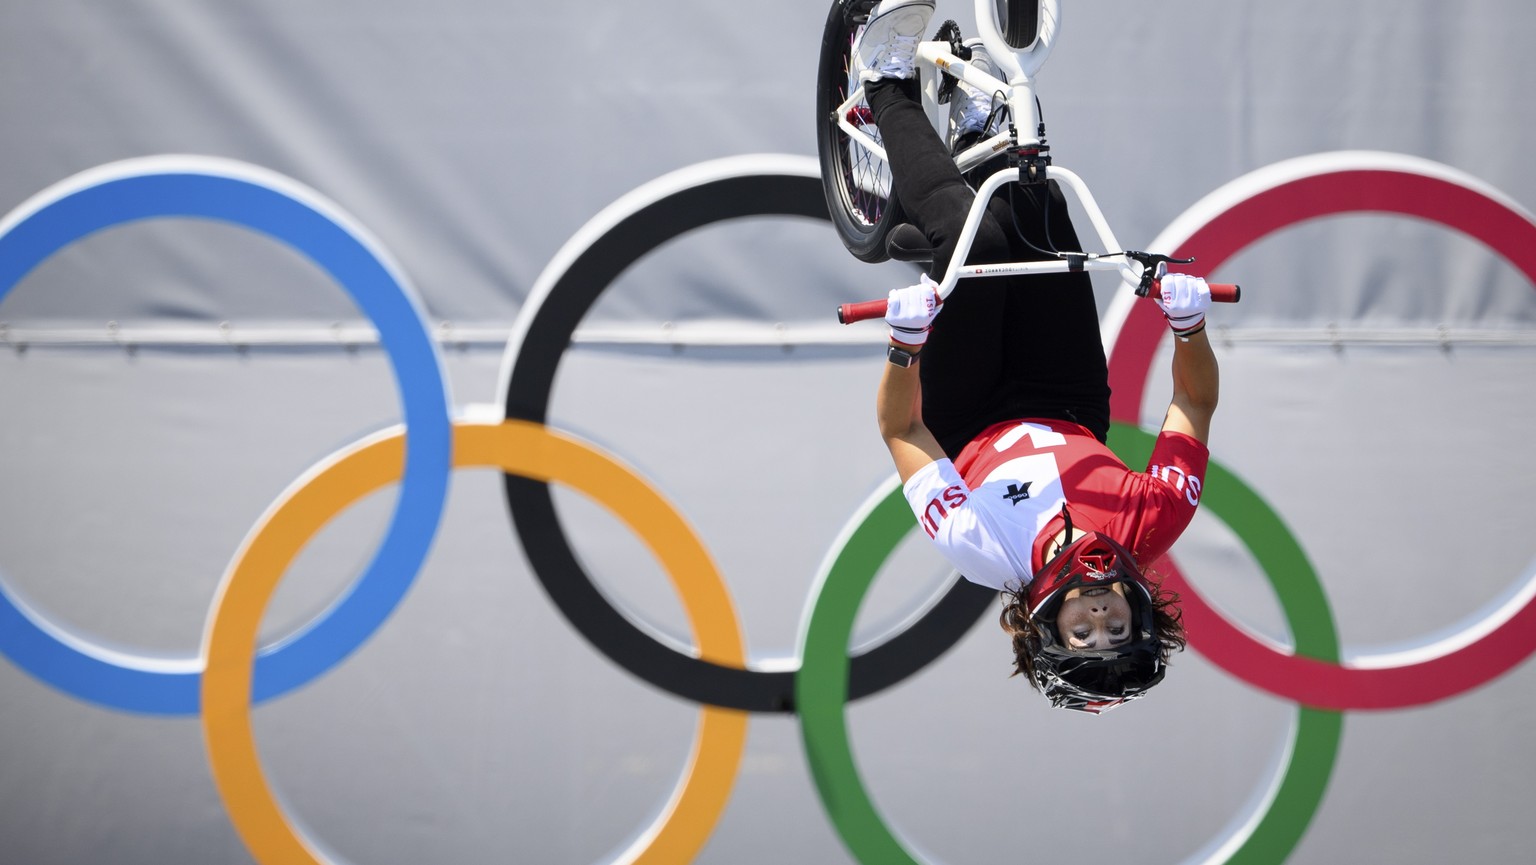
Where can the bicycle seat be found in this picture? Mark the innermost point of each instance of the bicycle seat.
(906, 243)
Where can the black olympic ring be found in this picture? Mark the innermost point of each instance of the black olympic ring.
(546, 336)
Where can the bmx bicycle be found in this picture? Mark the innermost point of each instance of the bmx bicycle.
(855, 173)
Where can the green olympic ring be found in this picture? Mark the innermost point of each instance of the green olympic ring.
(821, 683)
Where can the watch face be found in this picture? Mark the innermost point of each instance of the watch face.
(900, 356)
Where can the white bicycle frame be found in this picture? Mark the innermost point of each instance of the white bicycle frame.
(1024, 128)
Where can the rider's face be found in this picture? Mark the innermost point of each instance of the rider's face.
(1097, 617)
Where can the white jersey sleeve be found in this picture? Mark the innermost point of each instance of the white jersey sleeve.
(964, 531)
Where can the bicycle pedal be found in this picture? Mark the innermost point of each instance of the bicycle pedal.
(949, 32)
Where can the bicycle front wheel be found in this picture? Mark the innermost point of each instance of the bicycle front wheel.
(857, 183)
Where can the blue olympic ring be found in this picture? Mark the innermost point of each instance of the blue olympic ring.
(297, 216)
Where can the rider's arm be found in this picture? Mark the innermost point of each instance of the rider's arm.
(899, 409)
(899, 402)
(1184, 300)
(1196, 383)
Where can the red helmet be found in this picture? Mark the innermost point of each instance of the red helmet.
(1094, 680)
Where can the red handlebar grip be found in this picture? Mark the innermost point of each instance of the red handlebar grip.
(1225, 292)
(1221, 292)
(849, 313)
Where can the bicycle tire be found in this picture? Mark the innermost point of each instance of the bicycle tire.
(1019, 22)
(857, 184)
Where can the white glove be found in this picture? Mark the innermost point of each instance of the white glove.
(910, 312)
(1184, 300)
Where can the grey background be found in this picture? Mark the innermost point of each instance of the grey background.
(1376, 392)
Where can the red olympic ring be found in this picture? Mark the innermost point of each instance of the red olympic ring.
(1217, 228)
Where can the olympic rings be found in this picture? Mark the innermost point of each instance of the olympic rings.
(1216, 228)
(613, 240)
(821, 682)
(261, 200)
(516, 447)
(237, 675)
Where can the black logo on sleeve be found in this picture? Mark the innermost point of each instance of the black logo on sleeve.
(1017, 493)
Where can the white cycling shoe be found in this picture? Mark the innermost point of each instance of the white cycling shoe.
(971, 109)
(887, 47)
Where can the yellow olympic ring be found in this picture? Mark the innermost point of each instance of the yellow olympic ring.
(521, 448)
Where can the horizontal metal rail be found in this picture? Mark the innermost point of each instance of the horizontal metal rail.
(724, 333)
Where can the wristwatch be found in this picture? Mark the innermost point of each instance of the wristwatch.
(900, 356)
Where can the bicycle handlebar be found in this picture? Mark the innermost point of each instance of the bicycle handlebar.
(848, 313)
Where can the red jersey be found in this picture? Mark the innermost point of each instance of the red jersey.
(994, 509)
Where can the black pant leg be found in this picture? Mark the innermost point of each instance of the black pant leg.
(1002, 347)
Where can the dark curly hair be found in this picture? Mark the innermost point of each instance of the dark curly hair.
(1167, 623)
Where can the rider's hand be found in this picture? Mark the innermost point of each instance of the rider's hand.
(910, 312)
(1184, 300)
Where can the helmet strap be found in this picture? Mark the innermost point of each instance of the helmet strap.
(1066, 533)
